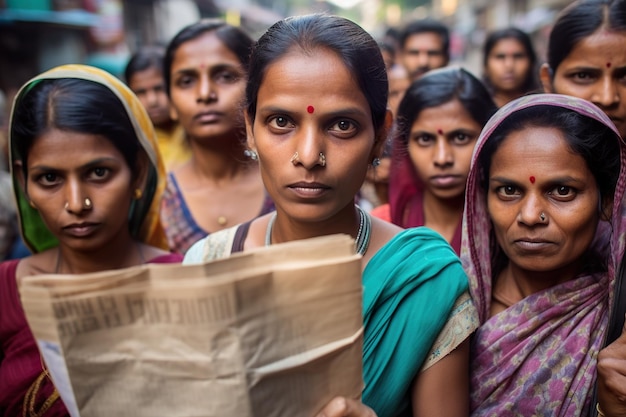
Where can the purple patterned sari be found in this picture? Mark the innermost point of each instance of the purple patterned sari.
(538, 357)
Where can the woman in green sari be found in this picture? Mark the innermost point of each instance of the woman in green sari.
(316, 118)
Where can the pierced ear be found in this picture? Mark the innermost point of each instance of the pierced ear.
(545, 76)
(141, 171)
(249, 132)
(382, 136)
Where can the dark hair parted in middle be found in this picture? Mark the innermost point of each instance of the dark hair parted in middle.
(585, 136)
(233, 38)
(74, 105)
(579, 20)
(438, 87)
(305, 34)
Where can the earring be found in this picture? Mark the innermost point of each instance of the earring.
(322, 159)
(87, 204)
(294, 158)
(376, 162)
(542, 217)
(30, 203)
(251, 154)
(67, 205)
(137, 194)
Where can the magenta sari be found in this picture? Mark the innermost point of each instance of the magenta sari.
(538, 357)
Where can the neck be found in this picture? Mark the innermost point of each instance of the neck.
(218, 164)
(503, 97)
(123, 252)
(522, 283)
(443, 212)
(287, 229)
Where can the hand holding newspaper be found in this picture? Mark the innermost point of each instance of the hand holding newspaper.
(272, 332)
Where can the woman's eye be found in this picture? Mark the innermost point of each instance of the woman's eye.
(99, 173)
(183, 81)
(227, 77)
(563, 191)
(279, 121)
(48, 178)
(462, 138)
(344, 128)
(423, 139)
(507, 190)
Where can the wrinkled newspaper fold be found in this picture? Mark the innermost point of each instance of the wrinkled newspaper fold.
(272, 332)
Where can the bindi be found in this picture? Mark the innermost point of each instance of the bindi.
(440, 131)
(532, 179)
(310, 109)
(608, 65)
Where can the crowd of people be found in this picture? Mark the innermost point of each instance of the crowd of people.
(489, 212)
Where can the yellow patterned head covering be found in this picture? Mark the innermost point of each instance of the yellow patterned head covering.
(144, 220)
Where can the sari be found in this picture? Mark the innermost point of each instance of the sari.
(538, 357)
(24, 388)
(416, 309)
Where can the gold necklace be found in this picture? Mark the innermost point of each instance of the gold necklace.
(222, 220)
(28, 408)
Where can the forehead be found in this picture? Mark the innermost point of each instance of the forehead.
(508, 45)
(424, 41)
(598, 49)
(203, 51)
(146, 78)
(318, 78)
(72, 146)
(536, 150)
(449, 115)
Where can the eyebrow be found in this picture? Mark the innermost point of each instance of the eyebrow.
(567, 179)
(89, 164)
(348, 111)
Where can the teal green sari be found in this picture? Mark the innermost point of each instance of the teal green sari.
(410, 288)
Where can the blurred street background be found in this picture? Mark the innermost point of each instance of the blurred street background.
(36, 35)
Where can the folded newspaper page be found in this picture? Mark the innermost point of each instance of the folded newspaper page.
(272, 332)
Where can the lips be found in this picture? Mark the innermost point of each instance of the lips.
(309, 189)
(81, 230)
(447, 181)
(532, 244)
(208, 117)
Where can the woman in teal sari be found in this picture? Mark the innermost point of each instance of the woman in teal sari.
(316, 119)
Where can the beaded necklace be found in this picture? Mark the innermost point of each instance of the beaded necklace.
(362, 237)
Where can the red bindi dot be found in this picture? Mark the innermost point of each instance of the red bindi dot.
(608, 65)
(532, 179)
(310, 109)
(440, 131)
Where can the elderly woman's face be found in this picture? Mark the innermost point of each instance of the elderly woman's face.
(543, 202)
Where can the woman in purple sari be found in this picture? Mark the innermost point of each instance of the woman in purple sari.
(542, 237)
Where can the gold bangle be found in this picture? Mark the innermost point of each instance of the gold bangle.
(599, 410)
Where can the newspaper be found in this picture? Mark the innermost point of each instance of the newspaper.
(272, 332)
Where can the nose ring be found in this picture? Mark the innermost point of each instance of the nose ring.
(322, 159)
(87, 204)
(542, 217)
(294, 158)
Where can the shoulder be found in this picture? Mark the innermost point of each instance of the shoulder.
(418, 253)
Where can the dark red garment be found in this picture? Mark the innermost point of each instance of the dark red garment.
(20, 362)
